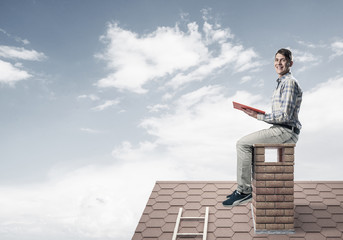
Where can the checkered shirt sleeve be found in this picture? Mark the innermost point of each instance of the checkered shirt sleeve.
(286, 103)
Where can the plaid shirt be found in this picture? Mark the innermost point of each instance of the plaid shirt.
(286, 103)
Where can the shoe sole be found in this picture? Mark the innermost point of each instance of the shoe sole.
(238, 202)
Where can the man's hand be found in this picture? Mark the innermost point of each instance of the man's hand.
(250, 112)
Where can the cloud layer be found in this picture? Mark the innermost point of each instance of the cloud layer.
(195, 139)
(170, 55)
(12, 73)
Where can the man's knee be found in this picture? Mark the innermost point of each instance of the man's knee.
(242, 143)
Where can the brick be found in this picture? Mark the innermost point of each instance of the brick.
(274, 169)
(289, 226)
(288, 158)
(284, 191)
(284, 176)
(275, 212)
(260, 212)
(259, 158)
(275, 145)
(258, 183)
(288, 151)
(274, 198)
(260, 169)
(279, 168)
(289, 205)
(260, 226)
(288, 198)
(289, 212)
(274, 183)
(284, 219)
(264, 176)
(259, 151)
(266, 205)
(274, 163)
(275, 226)
(265, 219)
(288, 183)
(260, 198)
(288, 169)
(265, 191)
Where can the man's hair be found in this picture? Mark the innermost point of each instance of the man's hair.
(285, 52)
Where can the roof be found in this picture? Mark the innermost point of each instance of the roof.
(318, 211)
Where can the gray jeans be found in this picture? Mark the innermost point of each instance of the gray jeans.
(275, 134)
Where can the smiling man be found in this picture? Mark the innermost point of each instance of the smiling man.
(285, 127)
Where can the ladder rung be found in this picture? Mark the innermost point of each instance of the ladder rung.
(192, 217)
(179, 218)
(190, 234)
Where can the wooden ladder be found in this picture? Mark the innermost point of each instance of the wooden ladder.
(178, 220)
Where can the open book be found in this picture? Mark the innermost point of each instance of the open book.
(240, 106)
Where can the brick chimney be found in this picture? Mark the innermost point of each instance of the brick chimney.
(273, 190)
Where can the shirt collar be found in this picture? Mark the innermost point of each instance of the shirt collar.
(283, 77)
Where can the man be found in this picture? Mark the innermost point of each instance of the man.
(286, 127)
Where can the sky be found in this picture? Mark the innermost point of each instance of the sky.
(101, 99)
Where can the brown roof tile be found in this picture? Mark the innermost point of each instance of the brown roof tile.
(318, 211)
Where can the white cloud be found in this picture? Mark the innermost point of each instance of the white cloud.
(106, 105)
(135, 60)
(337, 48)
(21, 53)
(88, 203)
(201, 131)
(89, 130)
(10, 74)
(305, 59)
(193, 55)
(321, 107)
(90, 96)
(16, 38)
(239, 58)
(157, 107)
(312, 45)
(246, 79)
(318, 156)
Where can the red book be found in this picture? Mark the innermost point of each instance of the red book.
(240, 106)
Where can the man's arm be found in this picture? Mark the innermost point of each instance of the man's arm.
(251, 113)
(287, 102)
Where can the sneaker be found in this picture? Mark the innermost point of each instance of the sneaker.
(237, 198)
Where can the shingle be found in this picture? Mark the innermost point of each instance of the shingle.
(210, 188)
(323, 188)
(333, 202)
(311, 227)
(318, 211)
(326, 223)
(335, 209)
(331, 232)
(152, 232)
(181, 188)
(321, 214)
(223, 232)
(306, 218)
(314, 236)
(223, 223)
(240, 236)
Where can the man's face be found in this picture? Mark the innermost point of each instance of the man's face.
(281, 64)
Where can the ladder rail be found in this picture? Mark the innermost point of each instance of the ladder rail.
(177, 224)
(204, 236)
(179, 218)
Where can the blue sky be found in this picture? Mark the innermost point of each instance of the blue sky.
(99, 99)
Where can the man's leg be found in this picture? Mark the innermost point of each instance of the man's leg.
(244, 158)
